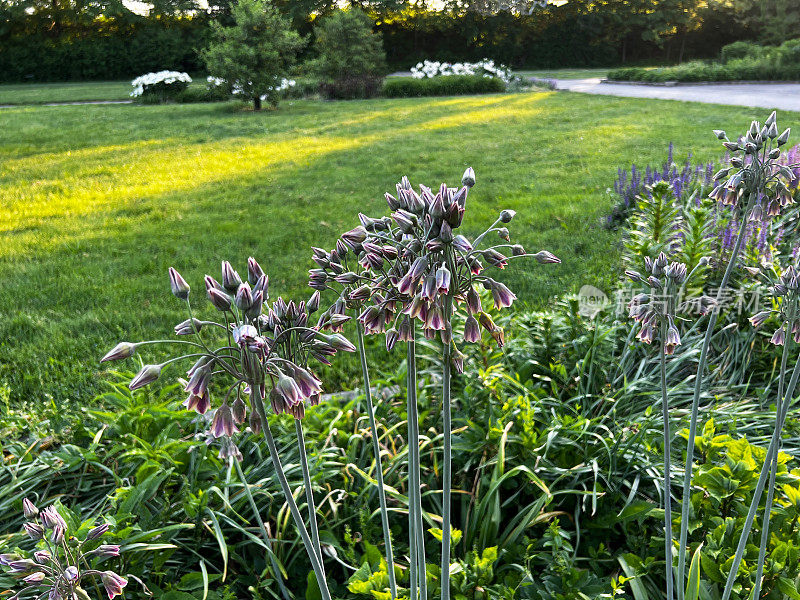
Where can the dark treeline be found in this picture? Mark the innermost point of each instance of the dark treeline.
(49, 40)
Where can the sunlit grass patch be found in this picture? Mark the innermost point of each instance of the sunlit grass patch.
(97, 201)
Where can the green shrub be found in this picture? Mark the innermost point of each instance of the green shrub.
(738, 50)
(351, 60)
(196, 94)
(627, 74)
(350, 88)
(409, 87)
(780, 64)
(255, 52)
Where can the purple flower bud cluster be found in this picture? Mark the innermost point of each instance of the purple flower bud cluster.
(755, 172)
(265, 349)
(783, 307)
(655, 309)
(62, 562)
(415, 266)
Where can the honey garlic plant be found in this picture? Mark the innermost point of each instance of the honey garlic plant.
(422, 272)
(253, 355)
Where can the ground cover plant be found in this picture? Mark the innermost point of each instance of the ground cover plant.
(73, 188)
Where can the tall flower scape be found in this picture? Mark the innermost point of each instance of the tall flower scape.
(398, 275)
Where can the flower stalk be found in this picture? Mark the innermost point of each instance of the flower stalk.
(312, 506)
(276, 570)
(447, 430)
(376, 449)
(667, 465)
(316, 564)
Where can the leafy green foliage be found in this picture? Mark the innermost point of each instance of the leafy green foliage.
(351, 60)
(740, 61)
(453, 85)
(727, 472)
(255, 52)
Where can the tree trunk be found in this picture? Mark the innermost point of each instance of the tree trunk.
(683, 47)
(257, 103)
(624, 48)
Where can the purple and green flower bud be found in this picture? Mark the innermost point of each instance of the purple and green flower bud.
(230, 278)
(239, 409)
(36, 577)
(545, 257)
(113, 584)
(97, 532)
(57, 536)
(29, 510)
(51, 518)
(254, 271)
(180, 289)
(468, 178)
(34, 530)
(507, 215)
(220, 300)
(472, 332)
(341, 343)
(107, 550)
(121, 351)
(188, 327)
(147, 375)
(244, 297)
(222, 423)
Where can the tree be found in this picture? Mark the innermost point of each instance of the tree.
(351, 59)
(254, 53)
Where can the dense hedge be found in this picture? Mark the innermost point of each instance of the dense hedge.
(141, 48)
(741, 61)
(453, 85)
(573, 35)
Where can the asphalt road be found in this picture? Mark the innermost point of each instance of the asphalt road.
(781, 96)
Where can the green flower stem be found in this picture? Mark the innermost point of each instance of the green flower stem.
(287, 492)
(762, 549)
(312, 506)
(273, 559)
(446, 468)
(667, 466)
(698, 387)
(414, 469)
(412, 520)
(376, 449)
(772, 453)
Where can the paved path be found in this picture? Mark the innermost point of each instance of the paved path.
(783, 96)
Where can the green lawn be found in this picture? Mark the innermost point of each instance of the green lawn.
(42, 93)
(96, 202)
(564, 73)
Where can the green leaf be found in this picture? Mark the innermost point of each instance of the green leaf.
(693, 585)
(788, 587)
(312, 587)
(637, 588)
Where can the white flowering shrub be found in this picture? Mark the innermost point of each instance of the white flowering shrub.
(215, 84)
(161, 85)
(484, 68)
